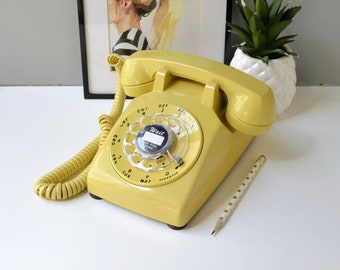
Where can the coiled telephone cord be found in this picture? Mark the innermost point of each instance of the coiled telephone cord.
(70, 178)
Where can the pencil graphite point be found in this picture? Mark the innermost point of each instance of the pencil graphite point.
(218, 226)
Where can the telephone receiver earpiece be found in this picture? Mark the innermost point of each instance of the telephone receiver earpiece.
(251, 104)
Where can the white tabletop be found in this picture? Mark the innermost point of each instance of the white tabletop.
(288, 219)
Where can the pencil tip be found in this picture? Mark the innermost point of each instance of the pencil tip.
(213, 232)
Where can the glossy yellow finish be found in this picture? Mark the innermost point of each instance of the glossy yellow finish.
(213, 111)
(251, 106)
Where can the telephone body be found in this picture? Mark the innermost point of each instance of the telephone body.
(189, 122)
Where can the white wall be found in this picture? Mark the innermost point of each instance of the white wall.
(318, 26)
(39, 41)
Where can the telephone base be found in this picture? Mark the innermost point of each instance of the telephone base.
(171, 148)
(162, 189)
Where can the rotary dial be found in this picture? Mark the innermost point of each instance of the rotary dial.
(157, 147)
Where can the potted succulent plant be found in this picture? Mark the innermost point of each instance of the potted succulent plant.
(263, 52)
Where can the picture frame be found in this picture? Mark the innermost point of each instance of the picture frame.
(202, 29)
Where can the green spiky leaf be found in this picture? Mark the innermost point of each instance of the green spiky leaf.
(290, 13)
(259, 24)
(245, 11)
(280, 52)
(242, 33)
(278, 43)
(262, 10)
(275, 30)
(274, 8)
(277, 17)
(260, 40)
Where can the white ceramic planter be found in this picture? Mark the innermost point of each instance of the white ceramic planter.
(279, 74)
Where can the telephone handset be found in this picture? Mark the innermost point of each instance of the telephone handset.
(188, 124)
(164, 155)
(250, 102)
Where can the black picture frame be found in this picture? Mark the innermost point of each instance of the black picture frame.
(88, 92)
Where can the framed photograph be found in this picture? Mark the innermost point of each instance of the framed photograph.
(191, 26)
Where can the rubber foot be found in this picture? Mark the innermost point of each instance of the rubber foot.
(95, 197)
(176, 228)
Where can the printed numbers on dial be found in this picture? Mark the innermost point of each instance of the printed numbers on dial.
(155, 145)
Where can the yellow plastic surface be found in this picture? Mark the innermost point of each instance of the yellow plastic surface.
(251, 106)
(211, 129)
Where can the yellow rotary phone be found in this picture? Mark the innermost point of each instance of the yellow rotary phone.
(189, 122)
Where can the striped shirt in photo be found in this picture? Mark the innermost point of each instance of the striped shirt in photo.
(130, 41)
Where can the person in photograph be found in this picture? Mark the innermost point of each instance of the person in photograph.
(126, 15)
